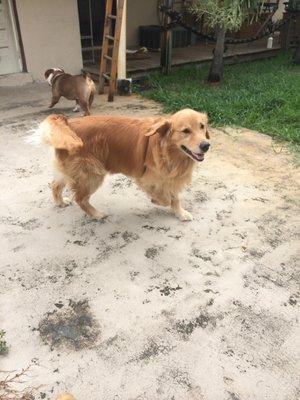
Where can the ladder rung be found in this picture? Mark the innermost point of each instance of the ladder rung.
(106, 76)
(109, 37)
(112, 16)
(107, 57)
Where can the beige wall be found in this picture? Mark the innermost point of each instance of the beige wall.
(50, 34)
(139, 12)
(144, 12)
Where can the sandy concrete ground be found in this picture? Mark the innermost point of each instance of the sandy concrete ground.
(142, 306)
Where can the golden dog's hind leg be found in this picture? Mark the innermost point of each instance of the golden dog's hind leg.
(180, 212)
(57, 187)
(83, 190)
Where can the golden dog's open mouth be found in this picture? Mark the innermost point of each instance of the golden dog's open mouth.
(191, 154)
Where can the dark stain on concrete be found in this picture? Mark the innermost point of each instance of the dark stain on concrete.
(167, 290)
(156, 228)
(152, 252)
(272, 229)
(29, 225)
(118, 240)
(186, 327)
(80, 242)
(153, 350)
(293, 299)
(129, 237)
(205, 256)
(181, 378)
(133, 275)
(233, 396)
(200, 196)
(69, 269)
(75, 327)
(256, 253)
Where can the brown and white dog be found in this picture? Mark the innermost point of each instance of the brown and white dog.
(80, 88)
(159, 153)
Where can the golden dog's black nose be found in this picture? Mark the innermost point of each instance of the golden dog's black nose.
(204, 146)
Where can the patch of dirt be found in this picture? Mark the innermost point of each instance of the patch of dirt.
(153, 349)
(167, 290)
(75, 327)
(153, 252)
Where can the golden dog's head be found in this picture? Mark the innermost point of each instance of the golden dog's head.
(187, 130)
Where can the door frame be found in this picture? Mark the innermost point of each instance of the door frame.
(17, 35)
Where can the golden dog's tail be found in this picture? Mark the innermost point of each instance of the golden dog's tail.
(55, 131)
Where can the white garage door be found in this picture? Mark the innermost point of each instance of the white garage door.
(9, 59)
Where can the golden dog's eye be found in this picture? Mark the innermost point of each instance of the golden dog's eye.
(186, 130)
(201, 126)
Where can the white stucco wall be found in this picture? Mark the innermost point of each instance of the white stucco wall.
(50, 34)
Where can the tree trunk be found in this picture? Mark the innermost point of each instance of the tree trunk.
(216, 67)
(166, 42)
(296, 58)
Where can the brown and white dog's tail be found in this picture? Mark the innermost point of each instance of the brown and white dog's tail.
(55, 131)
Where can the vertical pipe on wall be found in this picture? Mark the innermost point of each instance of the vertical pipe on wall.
(91, 31)
(122, 48)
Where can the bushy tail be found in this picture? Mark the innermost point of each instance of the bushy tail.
(55, 131)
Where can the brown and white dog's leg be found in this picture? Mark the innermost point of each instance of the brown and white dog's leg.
(85, 106)
(180, 212)
(77, 107)
(54, 101)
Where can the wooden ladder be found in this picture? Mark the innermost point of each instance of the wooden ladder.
(107, 38)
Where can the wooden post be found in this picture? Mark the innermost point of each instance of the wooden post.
(105, 45)
(122, 48)
(166, 42)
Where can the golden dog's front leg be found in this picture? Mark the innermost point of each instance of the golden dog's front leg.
(180, 212)
(160, 198)
(158, 195)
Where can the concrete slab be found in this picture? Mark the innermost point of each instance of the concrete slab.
(18, 79)
(142, 306)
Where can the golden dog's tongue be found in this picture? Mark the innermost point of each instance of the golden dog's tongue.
(191, 154)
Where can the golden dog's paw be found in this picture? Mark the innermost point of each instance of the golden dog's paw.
(185, 216)
(66, 202)
(98, 216)
(163, 203)
(65, 396)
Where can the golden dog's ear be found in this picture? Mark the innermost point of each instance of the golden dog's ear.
(161, 127)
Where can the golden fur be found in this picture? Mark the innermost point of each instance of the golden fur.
(159, 153)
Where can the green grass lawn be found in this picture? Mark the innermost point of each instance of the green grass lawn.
(261, 95)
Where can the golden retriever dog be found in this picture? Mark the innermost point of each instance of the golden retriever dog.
(158, 153)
